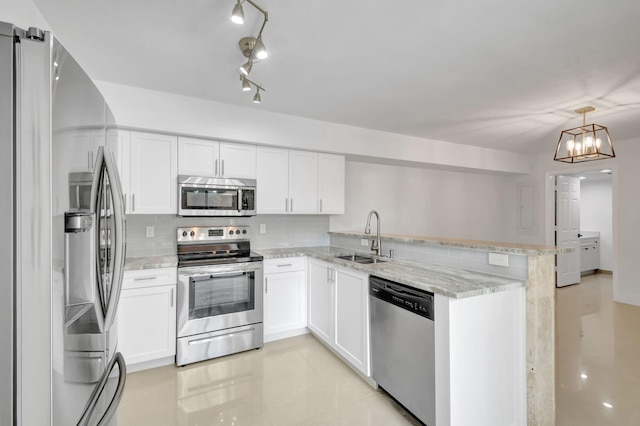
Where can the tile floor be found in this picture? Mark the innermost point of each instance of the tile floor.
(298, 381)
(295, 381)
(598, 356)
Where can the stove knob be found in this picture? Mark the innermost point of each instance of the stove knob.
(237, 231)
(231, 232)
(244, 231)
(184, 233)
(192, 233)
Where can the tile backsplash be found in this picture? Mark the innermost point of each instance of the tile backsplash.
(281, 231)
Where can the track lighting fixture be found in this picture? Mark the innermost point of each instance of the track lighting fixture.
(252, 48)
(237, 16)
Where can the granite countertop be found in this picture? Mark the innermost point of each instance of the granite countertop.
(451, 282)
(515, 248)
(150, 262)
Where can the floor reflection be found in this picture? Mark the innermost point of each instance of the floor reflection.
(598, 356)
(290, 382)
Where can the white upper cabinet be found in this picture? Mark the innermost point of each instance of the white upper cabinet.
(303, 182)
(331, 171)
(199, 157)
(237, 161)
(272, 173)
(153, 174)
(299, 182)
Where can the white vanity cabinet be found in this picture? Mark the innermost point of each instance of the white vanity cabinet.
(589, 254)
(147, 163)
(200, 157)
(147, 318)
(285, 298)
(339, 311)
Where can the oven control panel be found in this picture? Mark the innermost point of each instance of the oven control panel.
(212, 233)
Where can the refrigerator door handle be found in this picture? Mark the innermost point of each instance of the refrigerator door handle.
(114, 239)
(91, 406)
(119, 235)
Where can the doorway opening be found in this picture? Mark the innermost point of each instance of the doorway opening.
(583, 221)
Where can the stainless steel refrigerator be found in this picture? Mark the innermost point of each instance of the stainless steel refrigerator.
(62, 245)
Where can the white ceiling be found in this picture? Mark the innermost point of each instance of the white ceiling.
(504, 74)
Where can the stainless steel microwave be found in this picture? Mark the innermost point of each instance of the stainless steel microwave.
(206, 196)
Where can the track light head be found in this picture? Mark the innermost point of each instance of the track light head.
(237, 16)
(246, 86)
(245, 68)
(259, 51)
(256, 97)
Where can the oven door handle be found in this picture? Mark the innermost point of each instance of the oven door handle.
(200, 277)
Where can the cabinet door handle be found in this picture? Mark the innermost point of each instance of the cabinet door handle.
(292, 205)
(145, 278)
(222, 174)
(320, 205)
(89, 160)
(216, 166)
(266, 284)
(133, 202)
(282, 265)
(172, 297)
(286, 205)
(125, 202)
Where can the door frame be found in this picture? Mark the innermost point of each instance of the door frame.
(550, 203)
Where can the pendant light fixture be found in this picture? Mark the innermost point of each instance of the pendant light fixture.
(585, 143)
(252, 48)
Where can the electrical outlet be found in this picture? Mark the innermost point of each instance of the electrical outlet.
(263, 228)
(364, 242)
(499, 259)
(150, 231)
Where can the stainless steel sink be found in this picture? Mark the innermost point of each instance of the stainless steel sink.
(360, 259)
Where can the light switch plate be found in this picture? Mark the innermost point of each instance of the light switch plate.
(499, 259)
(150, 231)
(263, 228)
(364, 242)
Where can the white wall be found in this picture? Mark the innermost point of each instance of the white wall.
(426, 202)
(596, 214)
(146, 109)
(22, 13)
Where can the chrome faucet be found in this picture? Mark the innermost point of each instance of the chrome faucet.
(375, 244)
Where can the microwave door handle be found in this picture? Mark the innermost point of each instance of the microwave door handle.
(117, 235)
(239, 200)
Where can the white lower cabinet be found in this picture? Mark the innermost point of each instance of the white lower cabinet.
(147, 316)
(285, 298)
(339, 311)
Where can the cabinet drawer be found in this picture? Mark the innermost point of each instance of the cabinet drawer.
(149, 278)
(273, 266)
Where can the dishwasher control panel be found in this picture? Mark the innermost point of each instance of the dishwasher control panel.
(417, 301)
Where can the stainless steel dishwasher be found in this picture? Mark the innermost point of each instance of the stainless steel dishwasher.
(402, 345)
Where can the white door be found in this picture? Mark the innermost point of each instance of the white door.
(197, 157)
(320, 300)
(568, 229)
(352, 317)
(273, 181)
(154, 174)
(303, 182)
(330, 184)
(237, 161)
(284, 302)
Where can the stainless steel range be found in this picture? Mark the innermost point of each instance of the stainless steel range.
(219, 293)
